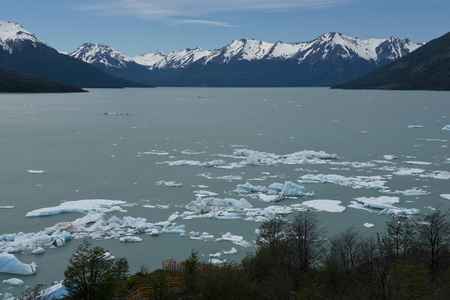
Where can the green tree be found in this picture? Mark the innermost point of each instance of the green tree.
(91, 275)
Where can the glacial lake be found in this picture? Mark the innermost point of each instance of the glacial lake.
(137, 145)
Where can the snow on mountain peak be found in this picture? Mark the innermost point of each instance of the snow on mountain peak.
(11, 33)
(332, 44)
(99, 53)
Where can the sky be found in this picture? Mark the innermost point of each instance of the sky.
(145, 26)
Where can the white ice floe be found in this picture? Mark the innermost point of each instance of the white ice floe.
(368, 225)
(437, 175)
(415, 126)
(389, 157)
(248, 188)
(235, 239)
(275, 192)
(370, 182)
(169, 183)
(215, 261)
(35, 171)
(6, 207)
(101, 205)
(154, 152)
(325, 205)
(385, 203)
(205, 205)
(417, 162)
(130, 239)
(432, 140)
(22, 242)
(14, 281)
(11, 265)
(381, 202)
(445, 196)
(415, 192)
(203, 193)
(232, 251)
(446, 127)
(57, 291)
(409, 171)
(301, 157)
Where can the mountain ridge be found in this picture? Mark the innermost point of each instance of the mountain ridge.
(23, 52)
(427, 68)
(310, 63)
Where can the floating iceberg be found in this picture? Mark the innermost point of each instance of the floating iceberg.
(400, 211)
(14, 281)
(408, 171)
(205, 205)
(385, 204)
(235, 239)
(169, 183)
(36, 171)
(445, 196)
(417, 162)
(248, 188)
(10, 264)
(415, 126)
(415, 192)
(381, 202)
(275, 192)
(57, 291)
(446, 127)
(325, 205)
(368, 225)
(370, 182)
(389, 157)
(101, 205)
(22, 242)
(130, 239)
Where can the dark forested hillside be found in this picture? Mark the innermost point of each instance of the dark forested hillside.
(14, 83)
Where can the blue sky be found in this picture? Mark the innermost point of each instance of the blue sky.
(144, 26)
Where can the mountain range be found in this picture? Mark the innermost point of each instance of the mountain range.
(427, 68)
(330, 59)
(22, 52)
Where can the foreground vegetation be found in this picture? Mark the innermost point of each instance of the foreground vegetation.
(293, 260)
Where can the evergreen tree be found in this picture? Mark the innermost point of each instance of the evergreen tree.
(91, 275)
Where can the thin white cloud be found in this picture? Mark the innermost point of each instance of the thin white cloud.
(198, 11)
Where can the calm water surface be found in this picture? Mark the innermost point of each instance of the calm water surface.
(87, 154)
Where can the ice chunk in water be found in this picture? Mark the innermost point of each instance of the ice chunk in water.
(10, 264)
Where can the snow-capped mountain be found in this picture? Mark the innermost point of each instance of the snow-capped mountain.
(376, 50)
(13, 36)
(98, 53)
(23, 52)
(332, 57)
